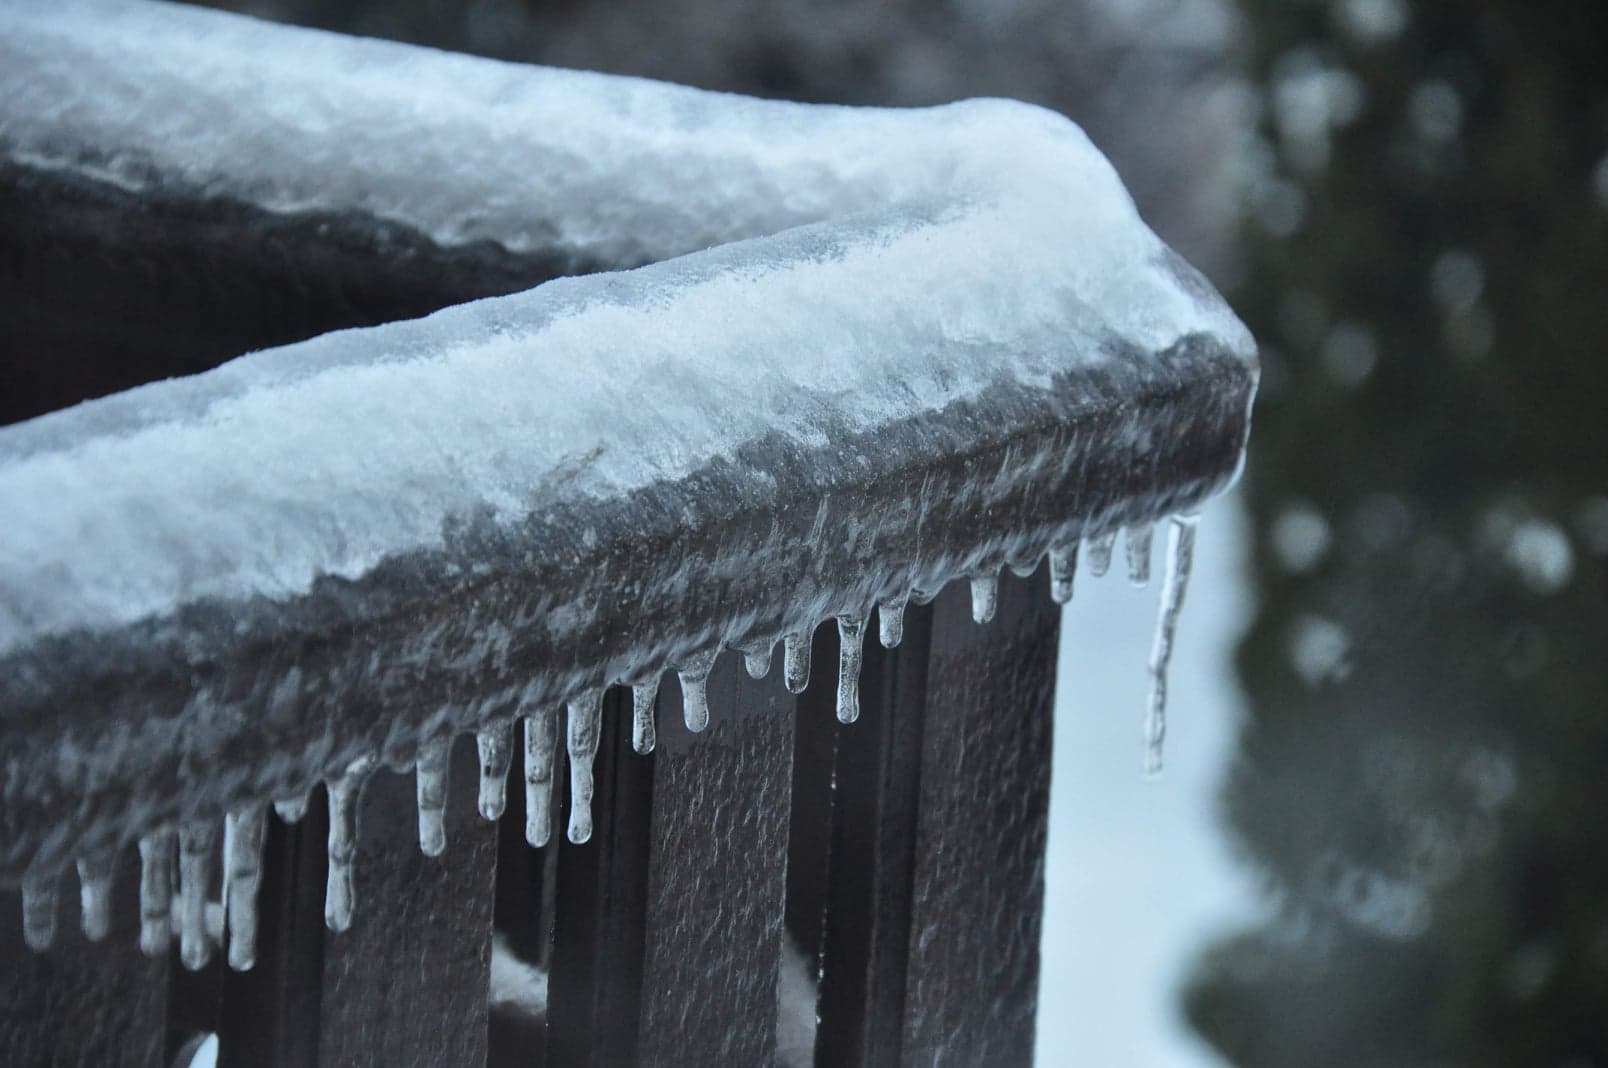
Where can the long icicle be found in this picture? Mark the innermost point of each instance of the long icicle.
(1138, 548)
(39, 910)
(1100, 553)
(243, 836)
(156, 891)
(644, 697)
(694, 676)
(585, 723)
(890, 621)
(430, 787)
(344, 791)
(197, 841)
(851, 653)
(541, 745)
(1180, 556)
(796, 661)
(495, 743)
(1063, 568)
(95, 893)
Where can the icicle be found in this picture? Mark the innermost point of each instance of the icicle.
(95, 893)
(156, 891)
(496, 745)
(39, 911)
(890, 622)
(851, 652)
(757, 659)
(585, 721)
(291, 809)
(430, 786)
(1138, 545)
(1063, 566)
(1023, 566)
(796, 661)
(243, 834)
(344, 791)
(694, 700)
(985, 596)
(541, 742)
(644, 696)
(196, 843)
(1180, 555)
(919, 596)
(1100, 553)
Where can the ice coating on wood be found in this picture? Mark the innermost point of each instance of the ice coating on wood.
(1137, 545)
(495, 744)
(541, 746)
(1180, 557)
(1063, 569)
(95, 894)
(585, 723)
(157, 851)
(1100, 548)
(430, 786)
(197, 843)
(243, 836)
(890, 622)
(694, 676)
(339, 891)
(644, 698)
(851, 654)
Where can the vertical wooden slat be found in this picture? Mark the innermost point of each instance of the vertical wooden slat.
(82, 1003)
(407, 984)
(978, 878)
(717, 874)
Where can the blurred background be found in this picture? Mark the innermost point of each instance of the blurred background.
(1381, 840)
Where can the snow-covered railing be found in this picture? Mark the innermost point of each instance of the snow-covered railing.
(872, 351)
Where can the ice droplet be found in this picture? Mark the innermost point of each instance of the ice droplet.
(1180, 556)
(796, 661)
(757, 659)
(890, 622)
(343, 791)
(430, 783)
(496, 745)
(644, 696)
(243, 834)
(851, 653)
(196, 844)
(585, 721)
(291, 809)
(1100, 553)
(694, 701)
(95, 893)
(156, 891)
(541, 742)
(984, 596)
(1063, 566)
(1138, 546)
(1023, 566)
(39, 911)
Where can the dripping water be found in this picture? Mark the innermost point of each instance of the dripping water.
(1138, 549)
(1063, 566)
(694, 697)
(984, 596)
(585, 720)
(644, 696)
(243, 834)
(95, 894)
(851, 652)
(196, 844)
(541, 743)
(890, 622)
(430, 786)
(495, 744)
(39, 910)
(1180, 556)
(343, 793)
(156, 891)
(1100, 553)
(796, 661)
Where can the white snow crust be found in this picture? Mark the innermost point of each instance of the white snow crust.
(813, 270)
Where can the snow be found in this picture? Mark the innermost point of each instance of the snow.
(833, 270)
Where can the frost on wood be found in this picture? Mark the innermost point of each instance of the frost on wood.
(874, 351)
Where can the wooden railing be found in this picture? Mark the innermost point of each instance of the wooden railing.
(901, 853)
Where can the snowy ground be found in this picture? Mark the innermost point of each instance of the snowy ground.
(1138, 875)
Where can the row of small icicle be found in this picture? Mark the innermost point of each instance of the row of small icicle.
(161, 910)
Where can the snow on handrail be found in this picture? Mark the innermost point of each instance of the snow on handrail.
(873, 350)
